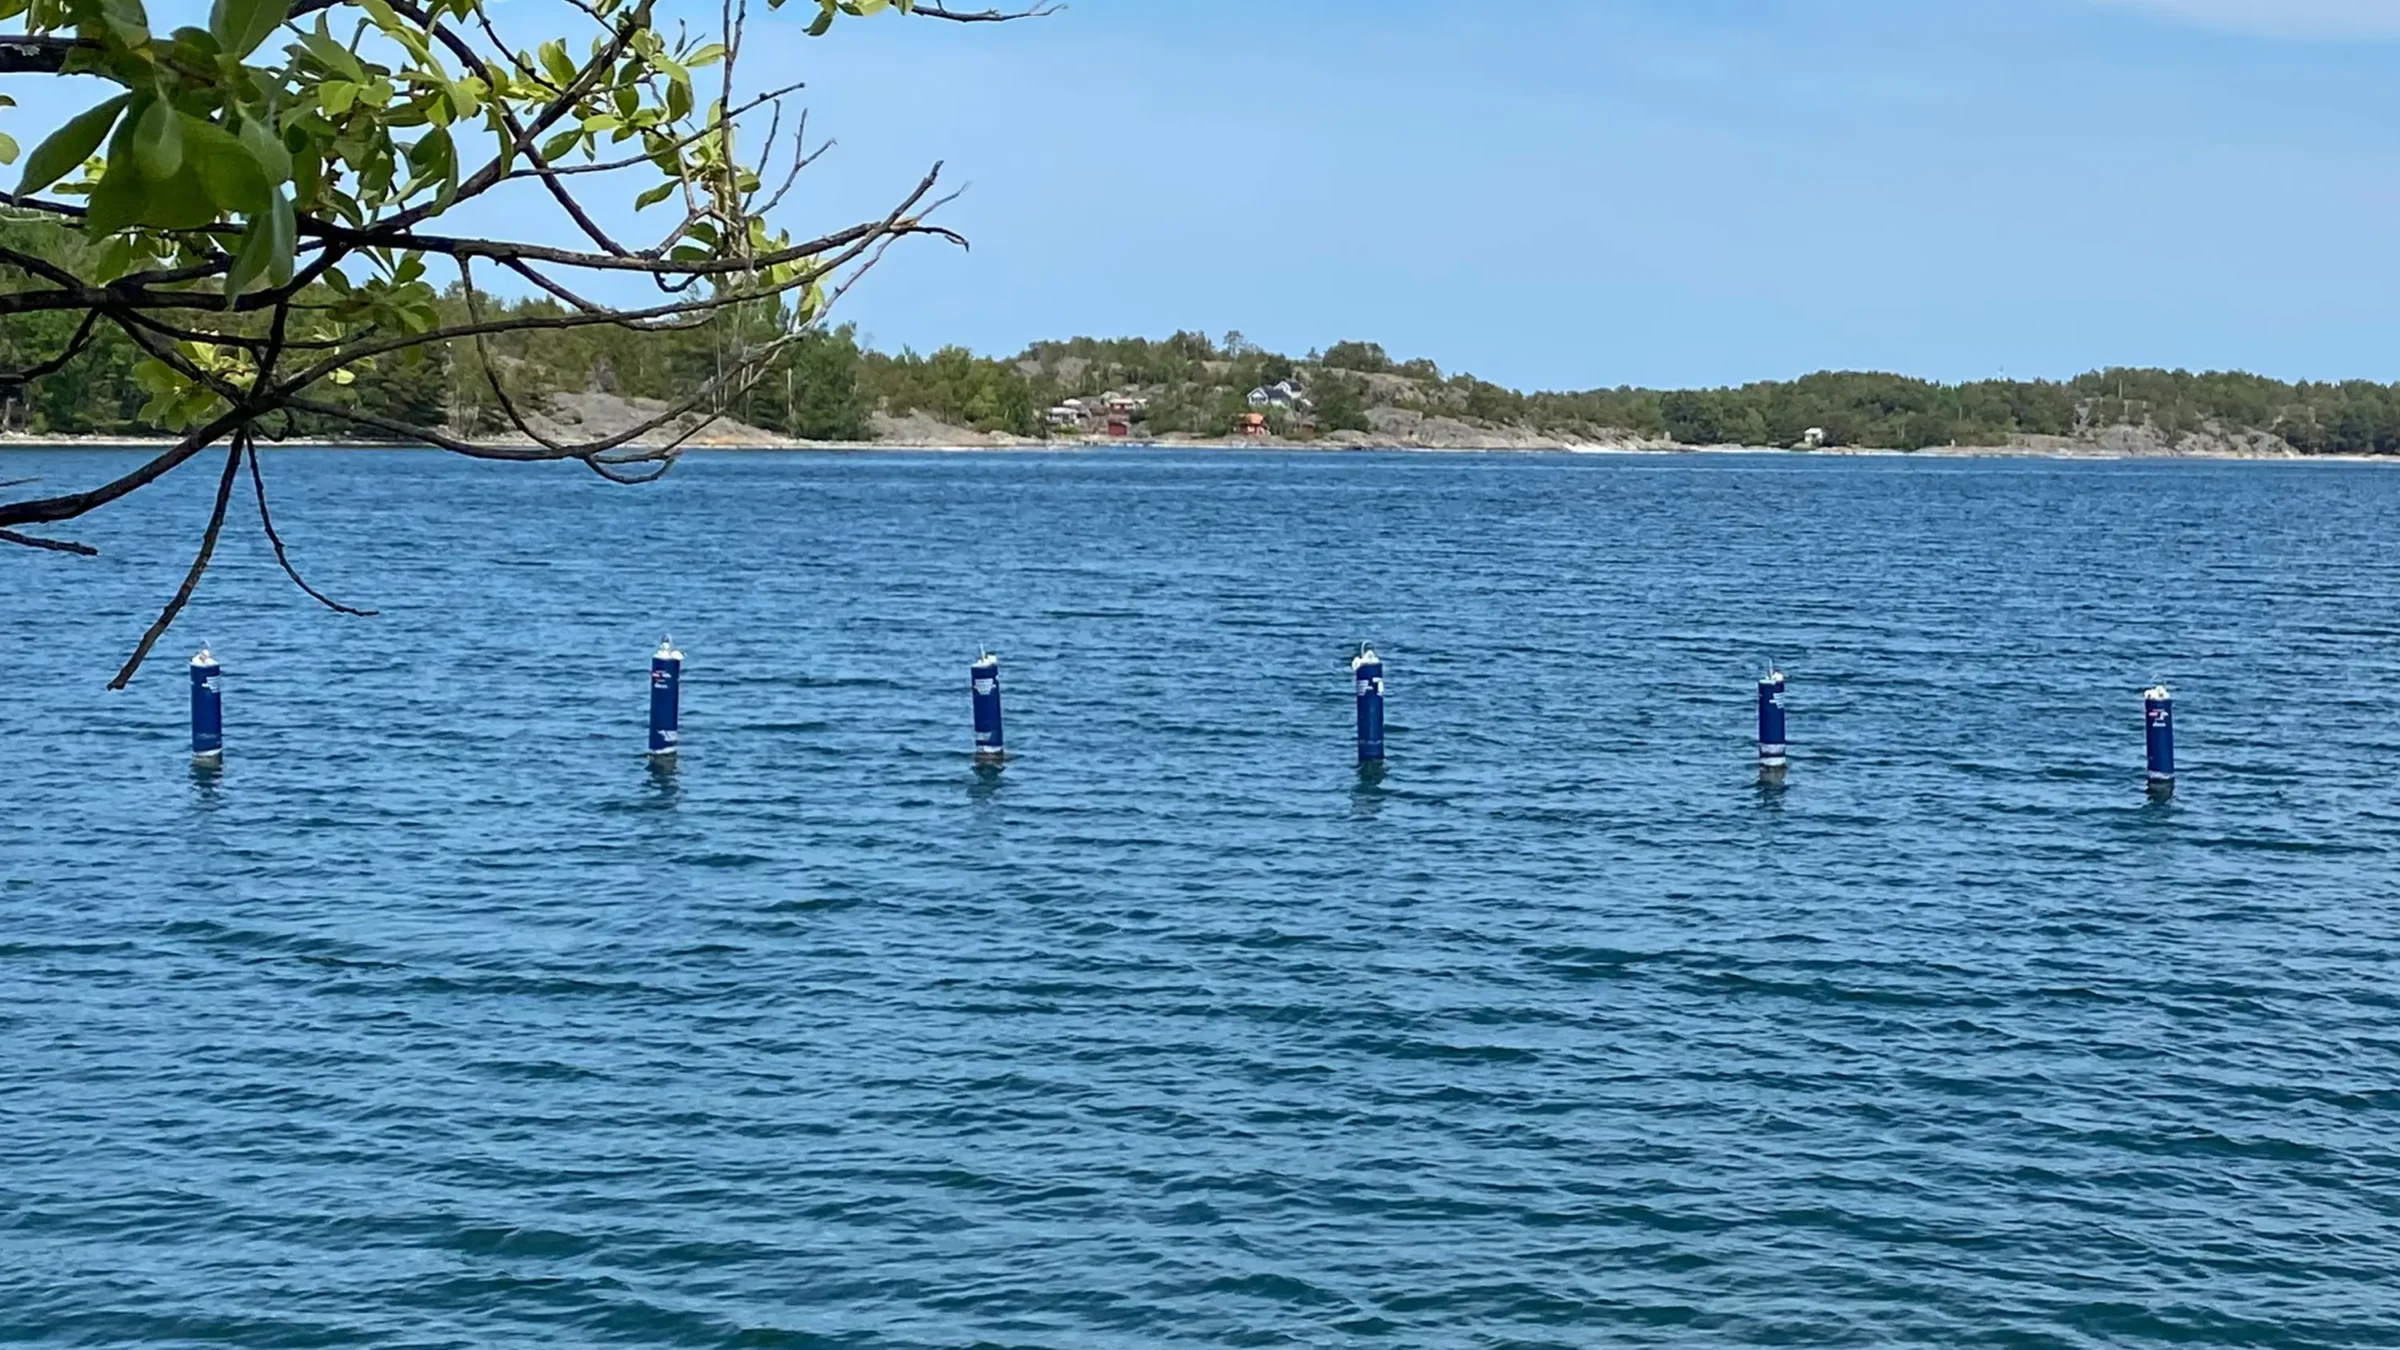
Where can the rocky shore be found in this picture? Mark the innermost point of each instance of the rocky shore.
(576, 417)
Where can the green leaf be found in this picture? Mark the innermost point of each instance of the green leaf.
(706, 56)
(266, 250)
(307, 176)
(127, 20)
(331, 54)
(250, 260)
(156, 377)
(824, 21)
(555, 61)
(114, 259)
(654, 196)
(228, 169)
(432, 157)
(8, 149)
(273, 159)
(118, 200)
(195, 47)
(407, 37)
(284, 230)
(180, 203)
(158, 139)
(70, 145)
(240, 26)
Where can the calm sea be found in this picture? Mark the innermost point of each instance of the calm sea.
(439, 1020)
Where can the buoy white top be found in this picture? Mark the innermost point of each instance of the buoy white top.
(2159, 694)
(1366, 657)
(204, 659)
(666, 650)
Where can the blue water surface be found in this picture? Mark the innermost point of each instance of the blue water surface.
(438, 1019)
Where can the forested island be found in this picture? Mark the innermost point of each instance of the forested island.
(1193, 387)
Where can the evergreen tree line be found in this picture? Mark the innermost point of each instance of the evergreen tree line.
(827, 386)
(1200, 386)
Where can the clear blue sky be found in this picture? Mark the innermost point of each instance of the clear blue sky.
(1567, 193)
(1587, 192)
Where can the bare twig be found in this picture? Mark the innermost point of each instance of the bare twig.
(773, 96)
(267, 521)
(491, 368)
(54, 545)
(191, 579)
(537, 277)
(71, 505)
(937, 11)
(680, 313)
(73, 349)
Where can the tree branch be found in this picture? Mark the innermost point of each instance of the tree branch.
(54, 545)
(21, 55)
(937, 11)
(73, 349)
(43, 509)
(267, 520)
(862, 238)
(191, 579)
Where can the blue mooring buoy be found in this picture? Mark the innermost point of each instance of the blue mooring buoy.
(1771, 731)
(983, 679)
(208, 710)
(2158, 713)
(666, 700)
(1367, 671)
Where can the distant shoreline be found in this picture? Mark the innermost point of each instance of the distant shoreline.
(19, 441)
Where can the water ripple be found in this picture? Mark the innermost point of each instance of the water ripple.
(438, 1020)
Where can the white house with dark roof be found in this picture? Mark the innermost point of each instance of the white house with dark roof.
(1281, 394)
